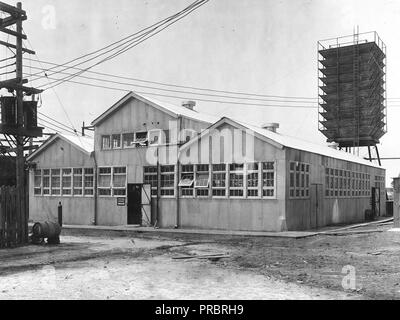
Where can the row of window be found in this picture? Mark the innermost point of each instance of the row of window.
(135, 139)
(252, 180)
(345, 183)
(64, 182)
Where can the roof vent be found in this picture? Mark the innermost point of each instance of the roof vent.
(189, 104)
(334, 146)
(271, 126)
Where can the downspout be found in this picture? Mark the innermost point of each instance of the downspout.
(178, 211)
(95, 188)
(158, 188)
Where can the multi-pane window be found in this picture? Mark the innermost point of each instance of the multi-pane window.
(64, 182)
(187, 180)
(268, 174)
(141, 139)
(119, 181)
(128, 140)
(299, 178)
(219, 180)
(78, 181)
(236, 180)
(38, 182)
(150, 176)
(252, 179)
(202, 181)
(105, 142)
(116, 141)
(104, 181)
(46, 181)
(345, 183)
(88, 181)
(67, 181)
(167, 180)
(112, 181)
(56, 182)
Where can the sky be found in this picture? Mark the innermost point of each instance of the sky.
(258, 46)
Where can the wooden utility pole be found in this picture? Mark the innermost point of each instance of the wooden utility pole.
(21, 129)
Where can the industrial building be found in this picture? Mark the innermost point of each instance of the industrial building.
(153, 163)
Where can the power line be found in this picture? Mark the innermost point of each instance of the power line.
(128, 43)
(196, 6)
(55, 125)
(57, 96)
(179, 91)
(199, 99)
(176, 85)
(119, 41)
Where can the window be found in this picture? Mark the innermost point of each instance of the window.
(268, 174)
(141, 139)
(46, 182)
(119, 181)
(202, 181)
(167, 180)
(105, 181)
(116, 141)
(38, 182)
(187, 180)
(219, 180)
(66, 182)
(88, 181)
(299, 186)
(56, 182)
(252, 179)
(151, 177)
(78, 181)
(106, 142)
(128, 140)
(236, 180)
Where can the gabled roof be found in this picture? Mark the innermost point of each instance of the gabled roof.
(174, 111)
(280, 140)
(84, 144)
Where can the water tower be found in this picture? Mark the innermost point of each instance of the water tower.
(352, 91)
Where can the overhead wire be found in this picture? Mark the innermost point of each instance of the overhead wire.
(128, 47)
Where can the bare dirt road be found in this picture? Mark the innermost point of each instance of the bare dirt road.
(143, 267)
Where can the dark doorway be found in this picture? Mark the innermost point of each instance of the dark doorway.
(135, 204)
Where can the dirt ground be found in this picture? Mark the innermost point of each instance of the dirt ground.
(115, 265)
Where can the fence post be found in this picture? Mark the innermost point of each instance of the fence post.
(396, 202)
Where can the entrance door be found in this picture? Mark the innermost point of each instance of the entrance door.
(135, 204)
(316, 198)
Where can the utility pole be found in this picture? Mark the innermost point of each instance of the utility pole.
(23, 127)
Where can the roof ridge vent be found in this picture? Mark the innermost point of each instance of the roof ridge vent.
(189, 104)
(272, 126)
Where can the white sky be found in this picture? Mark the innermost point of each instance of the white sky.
(258, 46)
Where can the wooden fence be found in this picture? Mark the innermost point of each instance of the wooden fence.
(13, 228)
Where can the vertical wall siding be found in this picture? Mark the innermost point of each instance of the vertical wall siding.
(76, 210)
(231, 214)
(299, 214)
(136, 116)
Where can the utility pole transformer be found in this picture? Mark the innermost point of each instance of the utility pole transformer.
(23, 129)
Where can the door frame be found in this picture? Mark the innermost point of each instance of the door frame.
(316, 194)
